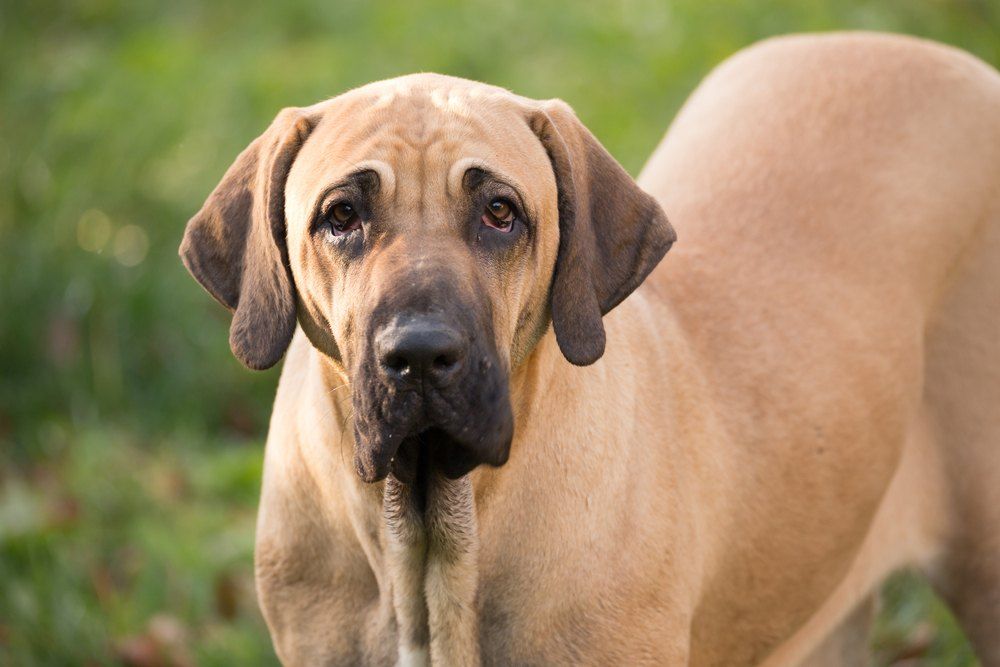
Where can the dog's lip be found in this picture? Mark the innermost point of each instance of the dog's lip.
(370, 473)
(403, 464)
(373, 463)
(396, 455)
(453, 456)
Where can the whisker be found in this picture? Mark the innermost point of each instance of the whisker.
(348, 416)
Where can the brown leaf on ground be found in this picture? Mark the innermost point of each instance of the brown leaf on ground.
(63, 511)
(227, 595)
(103, 583)
(63, 339)
(241, 420)
(164, 644)
(168, 484)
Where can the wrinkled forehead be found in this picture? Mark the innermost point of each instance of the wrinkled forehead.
(419, 137)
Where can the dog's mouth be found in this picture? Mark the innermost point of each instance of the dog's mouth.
(413, 462)
(454, 429)
(452, 452)
(432, 447)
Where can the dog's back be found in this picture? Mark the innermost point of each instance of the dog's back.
(837, 202)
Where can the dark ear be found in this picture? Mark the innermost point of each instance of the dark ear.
(235, 246)
(611, 233)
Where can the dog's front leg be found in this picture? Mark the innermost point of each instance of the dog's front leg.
(452, 571)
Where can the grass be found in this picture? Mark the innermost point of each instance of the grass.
(111, 540)
(130, 439)
(915, 625)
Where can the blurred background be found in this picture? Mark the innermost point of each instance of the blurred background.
(130, 439)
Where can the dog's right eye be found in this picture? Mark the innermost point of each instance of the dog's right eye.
(342, 218)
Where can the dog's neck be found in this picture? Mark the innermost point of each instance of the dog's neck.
(424, 548)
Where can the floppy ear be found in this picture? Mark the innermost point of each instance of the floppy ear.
(611, 233)
(235, 245)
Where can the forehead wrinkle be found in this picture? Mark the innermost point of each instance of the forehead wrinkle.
(457, 171)
(420, 180)
(411, 135)
(335, 167)
(386, 175)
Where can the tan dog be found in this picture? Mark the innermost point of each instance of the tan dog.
(800, 400)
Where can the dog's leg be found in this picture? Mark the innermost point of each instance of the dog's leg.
(452, 572)
(406, 548)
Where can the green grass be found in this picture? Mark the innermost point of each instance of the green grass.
(108, 533)
(130, 439)
(914, 623)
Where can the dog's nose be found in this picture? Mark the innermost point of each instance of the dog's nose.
(421, 349)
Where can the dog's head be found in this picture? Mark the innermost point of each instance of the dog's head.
(424, 232)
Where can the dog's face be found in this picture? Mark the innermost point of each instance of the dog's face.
(424, 231)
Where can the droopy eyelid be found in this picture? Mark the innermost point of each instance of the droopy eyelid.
(363, 183)
(357, 189)
(479, 179)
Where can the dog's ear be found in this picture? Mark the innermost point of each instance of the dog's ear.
(611, 233)
(235, 245)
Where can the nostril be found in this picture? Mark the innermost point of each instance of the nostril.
(397, 364)
(445, 362)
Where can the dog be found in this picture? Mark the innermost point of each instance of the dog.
(506, 433)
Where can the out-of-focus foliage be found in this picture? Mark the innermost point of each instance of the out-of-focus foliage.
(129, 436)
(120, 550)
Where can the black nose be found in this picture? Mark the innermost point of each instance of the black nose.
(421, 349)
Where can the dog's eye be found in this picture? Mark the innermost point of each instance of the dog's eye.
(499, 214)
(343, 219)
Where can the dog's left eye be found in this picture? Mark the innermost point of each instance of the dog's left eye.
(499, 215)
(342, 219)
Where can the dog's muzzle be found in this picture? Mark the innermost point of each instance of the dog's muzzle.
(430, 389)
